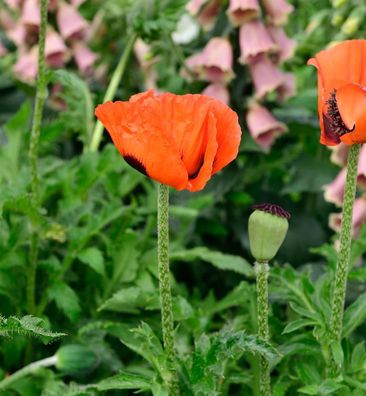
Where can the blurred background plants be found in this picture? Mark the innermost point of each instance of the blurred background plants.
(97, 281)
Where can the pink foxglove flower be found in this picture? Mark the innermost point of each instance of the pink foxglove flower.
(265, 75)
(339, 154)
(77, 3)
(263, 127)
(215, 61)
(70, 23)
(55, 49)
(84, 57)
(358, 218)
(288, 87)
(334, 191)
(254, 39)
(18, 34)
(286, 46)
(217, 91)
(205, 11)
(241, 11)
(146, 61)
(14, 4)
(30, 13)
(277, 11)
(26, 67)
(361, 171)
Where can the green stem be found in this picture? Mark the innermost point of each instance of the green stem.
(262, 272)
(33, 154)
(341, 273)
(29, 369)
(164, 283)
(112, 89)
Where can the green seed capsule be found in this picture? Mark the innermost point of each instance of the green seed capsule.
(76, 360)
(267, 227)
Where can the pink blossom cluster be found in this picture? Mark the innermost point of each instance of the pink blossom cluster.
(263, 45)
(65, 41)
(333, 192)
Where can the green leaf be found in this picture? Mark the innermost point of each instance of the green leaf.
(298, 324)
(93, 257)
(337, 352)
(358, 356)
(220, 260)
(66, 299)
(125, 380)
(354, 315)
(28, 326)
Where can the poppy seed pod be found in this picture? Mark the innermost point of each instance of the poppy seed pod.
(267, 227)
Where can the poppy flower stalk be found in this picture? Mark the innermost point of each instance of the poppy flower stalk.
(267, 227)
(164, 283)
(341, 273)
(33, 154)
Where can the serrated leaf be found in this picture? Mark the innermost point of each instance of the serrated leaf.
(93, 257)
(29, 326)
(125, 380)
(220, 260)
(66, 299)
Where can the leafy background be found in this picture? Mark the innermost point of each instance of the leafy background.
(97, 271)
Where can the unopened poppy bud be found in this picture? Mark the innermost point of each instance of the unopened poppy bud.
(268, 226)
(75, 359)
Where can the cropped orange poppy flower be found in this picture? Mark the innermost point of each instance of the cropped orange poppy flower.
(342, 92)
(178, 140)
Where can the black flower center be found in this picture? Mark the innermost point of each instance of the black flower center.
(333, 123)
(135, 163)
(273, 209)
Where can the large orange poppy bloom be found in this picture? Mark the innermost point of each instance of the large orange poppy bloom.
(342, 92)
(178, 140)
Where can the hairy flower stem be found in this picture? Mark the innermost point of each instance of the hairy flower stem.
(164, 283)
(341, 273)
(33, 154)
(262, 272)
(112, 89)
(29, 369)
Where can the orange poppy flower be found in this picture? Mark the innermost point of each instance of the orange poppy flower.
(342, 92)
(177, 140)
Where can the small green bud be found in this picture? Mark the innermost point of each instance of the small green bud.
(74, 359)
(267, 226)
(338, 3)
(353, 22)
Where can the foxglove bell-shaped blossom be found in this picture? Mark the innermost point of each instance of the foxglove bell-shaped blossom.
(217, 91)
(143, 54)
(288, 87)
(263, 127)
(27, 66)
(285, 45)
(241, 11)
(277, 11)
(30, 13)
(205, 11)
(55, 49)
(339, 154)
(254, 39)
(265, 75)
(358, 218)
(84, 57)
(215, 61)
(70, 23)
(334, 191)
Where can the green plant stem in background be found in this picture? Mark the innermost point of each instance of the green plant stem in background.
(262, 272)
(29, 369)
(112, 89)
(164, 282)
(33, 154)
(341, 273)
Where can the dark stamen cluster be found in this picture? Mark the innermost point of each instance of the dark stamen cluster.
(334, 117)
(273, 209)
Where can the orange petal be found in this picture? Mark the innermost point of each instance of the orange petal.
(351, 101)
(228, 135)
(141, 144)
(340, 65)
(205, 170)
